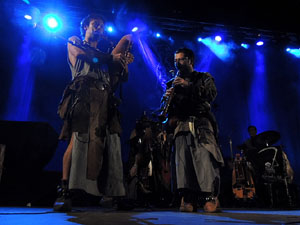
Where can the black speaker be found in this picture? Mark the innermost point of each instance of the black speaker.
(29, 146)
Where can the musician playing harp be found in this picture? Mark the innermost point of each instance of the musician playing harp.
(91, 118)
(197, 155)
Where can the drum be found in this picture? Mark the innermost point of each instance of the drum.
(271, 163)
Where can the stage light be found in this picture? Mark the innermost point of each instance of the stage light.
(135, 29)
(221, 50)
(218, 38)
(152, 62)
(110, 29)
(137, 25)
(52, 23)
(28, 17)
(26, 1)
(199, 39)
(246, 46)
(294, 51)
(260, 43)
(158, 35)
(171, 40)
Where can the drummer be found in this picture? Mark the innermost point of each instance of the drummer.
(249, 145)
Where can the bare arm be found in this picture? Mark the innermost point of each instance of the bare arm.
(90, 55)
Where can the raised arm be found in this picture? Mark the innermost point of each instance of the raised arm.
(77, 50)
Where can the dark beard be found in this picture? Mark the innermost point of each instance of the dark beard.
(183, 70)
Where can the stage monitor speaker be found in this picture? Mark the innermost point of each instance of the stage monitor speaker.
(26, 148)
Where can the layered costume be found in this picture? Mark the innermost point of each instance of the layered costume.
(197, 155)
(89, 110)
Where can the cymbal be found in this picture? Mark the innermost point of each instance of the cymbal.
(266, 138)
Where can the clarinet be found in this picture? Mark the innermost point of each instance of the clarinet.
(167, 101)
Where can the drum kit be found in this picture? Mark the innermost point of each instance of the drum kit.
(262, 165)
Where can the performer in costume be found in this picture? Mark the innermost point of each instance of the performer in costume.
(90, 115)
(197, 154)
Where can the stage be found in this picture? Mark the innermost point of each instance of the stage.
(98, 215)
(253, 56)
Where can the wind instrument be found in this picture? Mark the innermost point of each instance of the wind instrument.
(167, 101)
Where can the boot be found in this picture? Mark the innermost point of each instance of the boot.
(187, 207)
(63, 202)
(212, 205)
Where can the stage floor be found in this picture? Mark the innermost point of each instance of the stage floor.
(98, 215)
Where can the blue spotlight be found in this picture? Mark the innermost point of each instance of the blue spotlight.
(244, 45)
(222, 50)
(171, 40)
(26, 1)
(28, 17)
(218, 38)
(157, 35)
(135, 29)
(152, 62)
(259, 113)
(199, 39)
(137, 25)
(52, 23)
(294, 51)
(260, 43)
(110, 29)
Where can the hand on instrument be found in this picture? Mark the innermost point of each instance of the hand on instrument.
(120, 58)
(129, 58)
(180, 81)
(168, 92)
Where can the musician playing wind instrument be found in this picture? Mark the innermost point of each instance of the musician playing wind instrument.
(197, 155)
(91, 117)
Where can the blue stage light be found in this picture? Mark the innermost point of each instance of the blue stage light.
(158, 35)
(260, 43)
(152, 62)
(137, 25)
(52, 23)
(222, 50)
(28, 17)
(294, 51)
(246, 46)
(134, 29)
(171, 40)
(199, 39)
(218, 38)
(110, 29)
